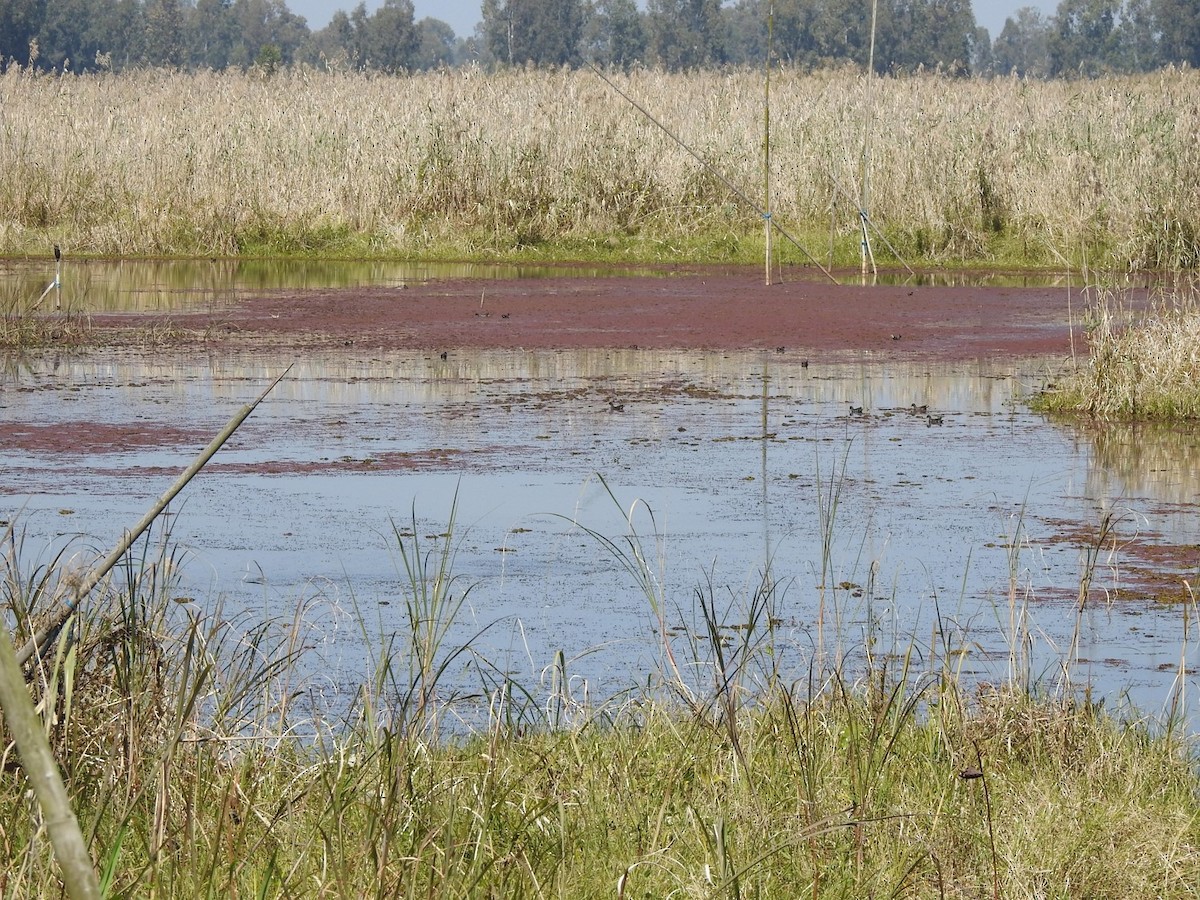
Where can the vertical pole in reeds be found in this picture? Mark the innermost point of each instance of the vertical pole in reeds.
(767, 144)
(864, 198)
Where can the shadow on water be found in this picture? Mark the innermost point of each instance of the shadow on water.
(952, 524)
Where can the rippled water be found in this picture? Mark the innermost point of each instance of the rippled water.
(878, 529)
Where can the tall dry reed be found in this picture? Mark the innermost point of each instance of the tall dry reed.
(1144, 366)
(473, 163)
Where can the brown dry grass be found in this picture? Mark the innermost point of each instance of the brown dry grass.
(1143, 367)
(467, 163)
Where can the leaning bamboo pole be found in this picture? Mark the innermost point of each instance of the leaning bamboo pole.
(20, 715)
(864, 193)
(25, 727)
(41, 637)
(767, 145)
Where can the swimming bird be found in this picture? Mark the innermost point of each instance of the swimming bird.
(615, 406)
(856, 410)
(934, 420)
(915, 410)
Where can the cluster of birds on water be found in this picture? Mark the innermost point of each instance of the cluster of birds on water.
(931, 419)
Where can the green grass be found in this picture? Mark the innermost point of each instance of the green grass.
(198, 769)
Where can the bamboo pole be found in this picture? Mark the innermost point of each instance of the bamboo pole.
(70, 850)
(767, 145)
(864, 194)
(38, 641)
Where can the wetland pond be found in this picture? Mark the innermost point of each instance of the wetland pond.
(965, 540)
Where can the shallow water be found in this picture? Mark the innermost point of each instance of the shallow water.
(96, 286)
(878, 530)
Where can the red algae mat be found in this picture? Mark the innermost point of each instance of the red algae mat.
(718, 311)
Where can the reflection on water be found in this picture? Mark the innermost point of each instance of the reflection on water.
(161, 285)
(164, 285)
(1145, 460)
(944, 528)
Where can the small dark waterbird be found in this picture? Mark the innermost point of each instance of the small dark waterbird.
(934, 420)
(915, 410)
(856, 410)
(615, 406)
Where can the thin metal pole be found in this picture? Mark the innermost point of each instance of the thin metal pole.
(767, 144)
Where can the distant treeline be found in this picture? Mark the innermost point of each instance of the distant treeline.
(1083, 37)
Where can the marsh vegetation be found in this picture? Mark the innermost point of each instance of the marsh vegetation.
(1143, 363)
(536, 164)
(199, 765)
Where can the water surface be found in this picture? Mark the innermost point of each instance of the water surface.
(877, 530)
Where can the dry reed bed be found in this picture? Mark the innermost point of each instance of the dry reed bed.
(1142, 367)
(170, 163)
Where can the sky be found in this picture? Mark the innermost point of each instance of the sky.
(462, 15)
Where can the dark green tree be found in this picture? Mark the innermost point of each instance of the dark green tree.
(164, 41)
(927, 34)
(541, 32)
(20, 22)
(1022, 47)
(118, 32)
(436, 44)
(1083, 39)
(264, 23)
(63, 36)
(981, 51)
(685, 34)
(1137, 45)
(210, 30)
(1178, 27)
(334, 46)
(615, 33)
(391, 40)
(840, 30)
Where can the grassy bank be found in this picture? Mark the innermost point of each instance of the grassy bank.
(1142, 365)
(556, 165)
(199, 764)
